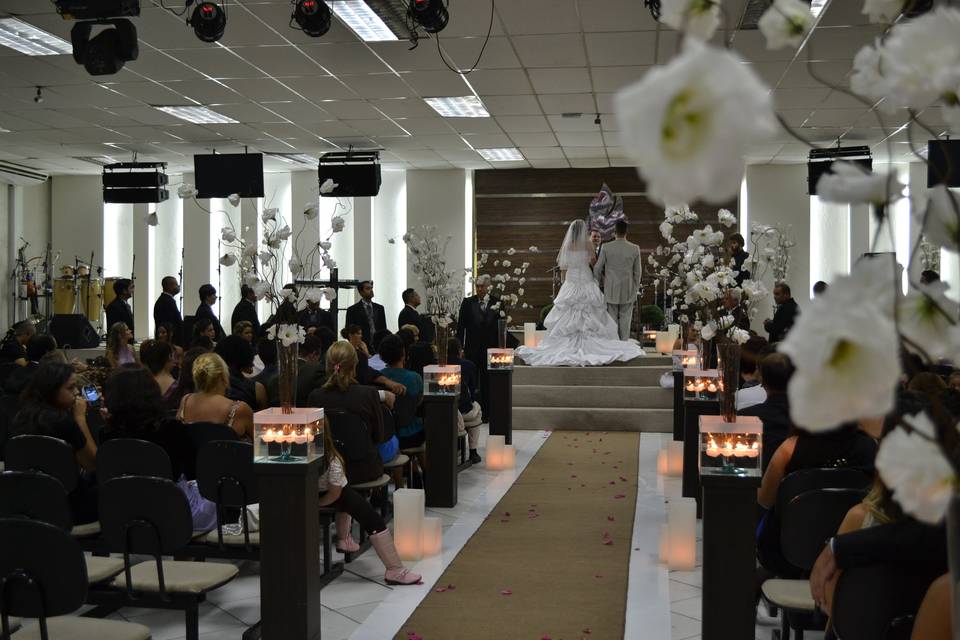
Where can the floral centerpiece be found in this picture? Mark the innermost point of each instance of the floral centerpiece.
(508, 275)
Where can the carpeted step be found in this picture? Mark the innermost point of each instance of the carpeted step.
(653, 360)
(589, 376)
(540, 395)
(586, 419)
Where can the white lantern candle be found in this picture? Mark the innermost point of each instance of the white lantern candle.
(664, 543)
(662, 466)
(682, 522)
(494, 452)
(431, 537)
(529, 334)
(675, 459)
(665, 342)
(408, 507)
(509, 459)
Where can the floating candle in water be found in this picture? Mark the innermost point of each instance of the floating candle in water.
(711, 388)
(730, 448)
(449, 380)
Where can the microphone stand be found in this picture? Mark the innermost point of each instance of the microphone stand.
(219, 284)
(180, 276)
(133, 281)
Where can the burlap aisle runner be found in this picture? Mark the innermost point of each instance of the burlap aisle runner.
(551, 560)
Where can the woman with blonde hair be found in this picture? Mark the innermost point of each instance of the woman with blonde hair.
(119, 350)
(244, 329)
(209, 403)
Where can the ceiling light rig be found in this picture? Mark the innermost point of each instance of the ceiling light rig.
(116, 44)
(313, 17)
(209, 20)
(432, 15)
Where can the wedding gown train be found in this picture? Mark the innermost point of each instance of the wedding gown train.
(580, 331)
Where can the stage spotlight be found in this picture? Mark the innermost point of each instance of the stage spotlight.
(313, 16)
(109, 50)
(208, 21)
(432, 15)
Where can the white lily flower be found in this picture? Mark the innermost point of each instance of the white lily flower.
(228, 259)
(666, 230)
(785, 23)
(726, 218)
(695, 18)
(739, 335)
(845, 351)
(849, 183)
(296, 267)
(707, 261)
(883, 11)
(313, 295)
(311, 211)
(337, 223)
(914, 468)
(328, 186)
(233, 199)
(227, 234)
(151, 219)
(709, 330)
(329, 293)
(269, 214)
(187, 190)
(272, 332)
(289, 334)
(927, 317)
(941, 223)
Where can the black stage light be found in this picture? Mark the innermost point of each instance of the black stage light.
(97, 9)
(109, 50)
(432, 15)
(313, 16)
(208, 21)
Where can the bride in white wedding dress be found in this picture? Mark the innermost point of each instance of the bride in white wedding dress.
(580, 331)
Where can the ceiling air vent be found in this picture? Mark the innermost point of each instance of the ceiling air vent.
(752, 11)
(19, 174)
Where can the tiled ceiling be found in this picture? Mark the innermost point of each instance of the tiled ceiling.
(292, 94)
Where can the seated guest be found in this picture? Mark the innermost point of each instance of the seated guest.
(847, 446)
(469, 407)
(342, 391)
(244, 329)
(354, 335)
(751, 392)
(119, 350)
(185, 378)
(204, 328)
(365, 373)
(135, 408)
(408, 335)
(933, 621)
(413, 330)
(327, 339)
(52, 406)
(238, 354)
(776, 369)
(421, 354)
(410, 434)
(157, 357)
(310, 373)
(166, 333)
(335, 492)
(312, 317)
(376, 362)
(13, 347)
(209, 403)
(38, 346)
(246, 311)
(267, 352)
(927, 383)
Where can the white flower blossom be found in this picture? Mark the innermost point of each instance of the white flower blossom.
(849, 183)
(250, 251)
(233, 199)
(519, 292)
(296, 267)
(927, 318)
(709, 330)
(285, 232)
(313, 296)
(311, 211)
(187, 190)
(261, 289)
(506, 263)
(151, 219)
(227, 234)
(696, 18)
(726, 218)
(941, 223)
(328, 186)
(883, 11)
(666, 230)
(228, 259)
(325, 245)
(329, 293)
(265, 257)
(785, 23)
(534, 249)
(739, 336)
(337, 223)
(688, 124)
(269, 214)
(511, 251)
(866, 78)
(914, 468)
(290, 334)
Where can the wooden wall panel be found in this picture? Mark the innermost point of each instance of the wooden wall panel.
(520, 208)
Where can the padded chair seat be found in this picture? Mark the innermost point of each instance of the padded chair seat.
(14, 623)
(383, 481)
(398, 461)
(415, 450)
(178, 576)
(99, 569)
(789, 594)
(85, 530)
(77, 628)
(233, 540)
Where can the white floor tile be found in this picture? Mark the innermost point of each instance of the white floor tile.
(169, 625)
(358, 613)
(682, 627)
(691, 607)
(349, 590)
(334, 626)
(681, 591)
(246, 611)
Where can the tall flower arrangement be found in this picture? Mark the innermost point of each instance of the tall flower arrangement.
(442, 287)
(771, 249)
(509, 278)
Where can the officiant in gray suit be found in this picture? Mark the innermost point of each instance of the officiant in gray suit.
(618, 269)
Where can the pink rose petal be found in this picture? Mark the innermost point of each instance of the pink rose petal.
(608, 542)
(573, 475)
(610, 519)
(546, 638)
(587, 631)
(619, 496)
(440, 589)
(598, 575)
(450, 587)
(506, 513)
(506, 592)
(612, 482)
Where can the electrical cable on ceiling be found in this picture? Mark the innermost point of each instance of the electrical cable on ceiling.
(166, 8)
(464, 72)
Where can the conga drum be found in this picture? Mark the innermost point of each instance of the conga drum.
(64, 296)
(66, 271)
(90, 299)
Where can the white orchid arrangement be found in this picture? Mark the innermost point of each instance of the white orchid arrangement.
(442, 287)
(508, 275)
(771, 249)
(687, 124)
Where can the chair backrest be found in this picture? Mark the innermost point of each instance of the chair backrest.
(35, 496)
(811, 518)
(389, 422)
(351, 436)
(51, 456)
(8, 409)
(872, 602)
(42, 570)
(405, 410)
(225, 474)
(203, 432)
(139, 514)
(132, 457)
(827, 478)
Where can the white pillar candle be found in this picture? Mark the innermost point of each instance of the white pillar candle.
(529, 334)
(665, 342)
(682, 522)
(494, 452)
(408, 507)
(662, 467)
(431, 537)
(664, 543)
(509, 457)
(675, 459)
(538, 337)
(674, 330)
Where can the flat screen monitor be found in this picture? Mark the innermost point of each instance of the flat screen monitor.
(222, 174)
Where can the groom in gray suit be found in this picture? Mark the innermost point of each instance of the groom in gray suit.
(618, 268)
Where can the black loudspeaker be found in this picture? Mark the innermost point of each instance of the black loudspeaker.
(355, 173)
(944, 163)
(74, 330)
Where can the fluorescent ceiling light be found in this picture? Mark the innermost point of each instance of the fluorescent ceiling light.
(27, 39)
(198, 115)
(501, 154)
(357, 15)
(296, 158)
(816, 7)
(458, 107)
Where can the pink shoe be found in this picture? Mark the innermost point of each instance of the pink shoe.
(347, 545)
(396, 573)
(401, 577)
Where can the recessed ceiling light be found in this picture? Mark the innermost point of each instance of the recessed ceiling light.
(501, 154)
(296, 158)
(458, 107)
(27, 39)
(198, 115)
(816, 7)
(362, 20)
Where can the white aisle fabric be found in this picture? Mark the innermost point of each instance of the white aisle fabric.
(580, 331)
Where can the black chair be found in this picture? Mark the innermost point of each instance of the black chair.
(807, 520)
(203, 432)
(8, 409)
(805, 480)
(225, 476)
(389, 423)
(151, 516)
(351, 437)
(132, 457)
(43, 575)
(874, 603)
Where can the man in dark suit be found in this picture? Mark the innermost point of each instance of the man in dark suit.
(409, 313)
(367, 314)
(165, 309)
(119, 309)
(208, 296)
(785, 315)
(775, 372)
(739, 255)
(312, 316)
(246, 309)
(477, 331)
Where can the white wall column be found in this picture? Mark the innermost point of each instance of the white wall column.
(77, 219)
(144, 294)
(197, 259)
(389, 221)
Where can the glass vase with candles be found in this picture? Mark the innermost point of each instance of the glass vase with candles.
(728, 366)
(700, 384)
(441, 380)
(501, 359)
(731, 448)
(287, 435)
(442, 335)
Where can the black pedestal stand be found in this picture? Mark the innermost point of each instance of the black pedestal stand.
(500, 384)
(677, 405)
(729, 556)
(289, 552)
(692, 410)
(440, 422)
